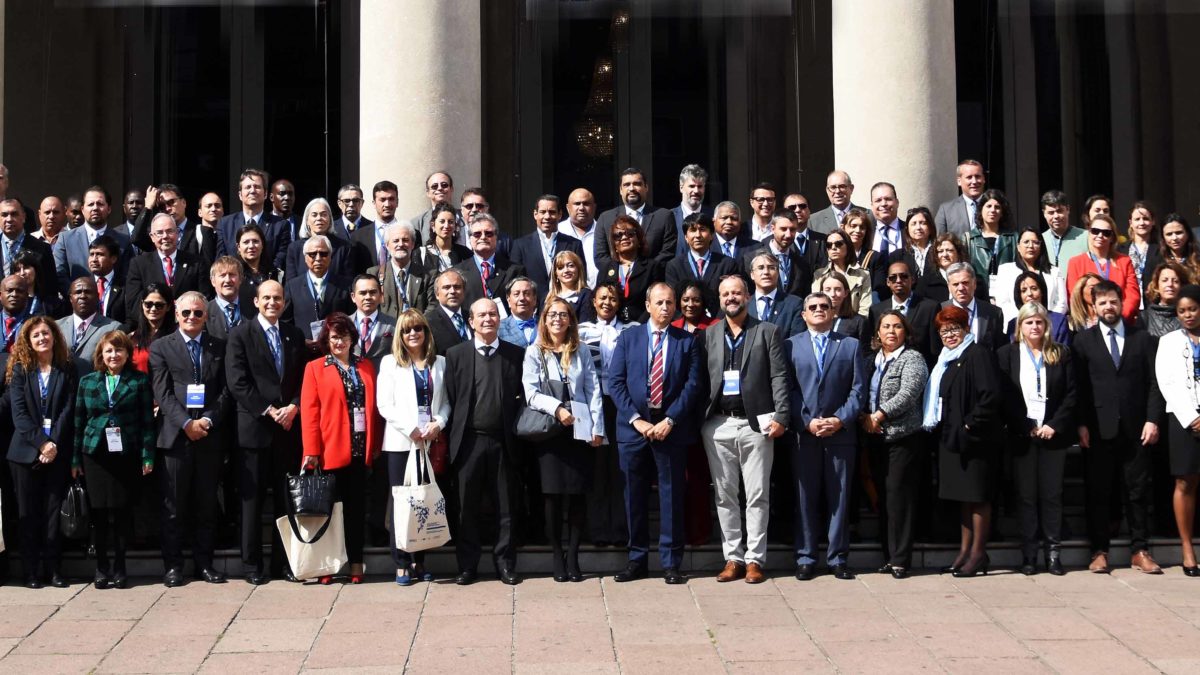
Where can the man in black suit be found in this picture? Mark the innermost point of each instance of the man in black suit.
(657, 223)
(987, 321)
(1119, 407)
(341, 262)
(264, 366)
(350, 201)
(314, 295)
(446, 321)
(370, 243)
(700, 262)
(919, 312)
(15, 240)
(30, 217)
(165, 264)
(795, 273)
(103, 254)
(488, 272)
(226, 311)
(536, 250)
(283, 207)
(483, 386)
(198, 241)
(252, 191)
(693, 180)
(809, 242)
(731, 238)
(404, 281)
(188, 372)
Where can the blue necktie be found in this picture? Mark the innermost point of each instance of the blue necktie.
(785, 268)
(231, 311)
(766, 310)
(1113, 348)
(821, 342)
(727, 247)
(194, 348)
(460, 326)
(802, 243)
(276, 348)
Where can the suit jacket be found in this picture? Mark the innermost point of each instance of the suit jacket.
(763, 371)
(786, 313)
(255, 385)
(684, 384)
(340, 228)
(325, 413)
(931, 284)
(839, 392)
(1058, 382)
(302, 310)
(681, 245)
(679, 270)
(460, 391)
(991, 325)
(25, 397)
(217, 324)
(972, 412)
(417, 287)
(799, 282)
(824, 221)
(383, 331)
(503, 272)
(527, 252)
(658, 224)
(512, 333)
(341, 260)
(204, 251)
(189, 273)
(71, 254)
(365, 247)
(920, 320)
(952, 217)
(1116, 400)
(132, 411)
(445, 335)
(115, 307)
(646, 271)
(396, 395)
(741, 242)
(82, 351)
(276, 232)
(171, 372)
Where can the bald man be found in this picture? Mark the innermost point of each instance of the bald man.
(581, 224)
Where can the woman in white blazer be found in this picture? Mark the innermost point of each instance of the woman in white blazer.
(565, 464)
(412, 401)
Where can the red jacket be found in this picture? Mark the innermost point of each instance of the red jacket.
(1121, 273)
(325, 417)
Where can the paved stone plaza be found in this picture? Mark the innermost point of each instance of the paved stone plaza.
(1123, 623)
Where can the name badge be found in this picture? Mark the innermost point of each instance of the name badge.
(46, 425)
(732, 383)
(315, 328)
(195, 396)
(113, 436)
(360, 420)
(1035, 409)
(423, 416)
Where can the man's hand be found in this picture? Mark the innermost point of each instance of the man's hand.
(152, 197)
(195, 430)
(1084, 440)
(1149, 433)
(286, 416)
(661, 431)
(774, 429)
(564, 416)
(644, 428)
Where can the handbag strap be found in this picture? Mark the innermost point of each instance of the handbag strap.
(296, 528)
(546, 373)
(417, 466)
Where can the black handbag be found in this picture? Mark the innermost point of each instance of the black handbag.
(73, 515)
(311, 493)
(535, 425)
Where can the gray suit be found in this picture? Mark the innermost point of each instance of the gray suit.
(383, 330)
(952, 217)
(417, 286)
(733, 441)
(82, 350)
(71, 254)
(826, 221)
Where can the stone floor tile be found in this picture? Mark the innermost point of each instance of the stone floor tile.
(1047, 623)
(162, 654)
(988, 666)
(817, 665)
(7, 644)
(574, 667)
(762, 610)
(66, 636)
(17, 621)
(444, 632)
(483, 597)
(128, 604)
(356, 650)
(187, 619)
(373, 617)
(885, 656)
(276, 663)
(669, 659)
(269, 635)
(1089, 656)
(871, 623)
(547, 642)
(283, 601)
(460, 660)
(51, 664)
(19, 595)
(773, 643)
(663, 630)
(1177, 666)
(949, 608)
(947, 640)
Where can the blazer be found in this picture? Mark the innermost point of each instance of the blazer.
(1059, 382)
(825, 221)
(82, 352)
(341, 259)
(787, 313)
(741, 242)
(901, 394)
(171, 373)
(460, 392)
(837, 392)
(205, 251)
(679, 270)
(383, 331)
(341, 229)
(503, 272)
(147, 268)
(254, 383)
(583, 383)
(800, 280)
(972, 411)
(991, 325)
(684, 383)
(25, 397)
(512, 333)
(952, 217)
(1116, 400)
(920, 320)
(217, 324)
(325, 420)
(301, 310)
(1121, 273)
(132, 411)
(445, 335)
(814, 248)
(71, 254)
(527, 252)
(860, 290)
(1174, 368)
(658, 225)
(929, 284)
(364, 244)
(275, 231)
(396, 394)
(417, 287)
(681, 245)
(115, 307)
(645, 272)
(763, 371)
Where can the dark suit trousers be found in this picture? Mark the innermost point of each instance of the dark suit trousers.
(898, 468)
(188, 475)
(820, 467)
(1038, 474)
(642, 462)
(263, 468)
(483, 473)
(351, 490)
(606, 501)
(40, 493)
(1118, 466)
(397, 465)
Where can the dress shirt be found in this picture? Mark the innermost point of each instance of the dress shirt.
(255, 218)
(972, 208)
(494, 344)
(973, 317)
(759, 233)
(93, 233)
(1120, 328)
(547, 244)
(918, 255)
(758, 306)
(902, 305)
(892, 232)
(816, 355)
(637, 214)
(1028, 377)
(78, 321)
(491, 268)
(720, 242)
(162, 261)
(373, 319)
(224, 305)
(318, 285)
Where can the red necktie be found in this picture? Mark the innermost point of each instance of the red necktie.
(100, 284)
(699, 267)
(9, 322)
(487, 274)
(169, 269)
(656, 372)
(366, 334)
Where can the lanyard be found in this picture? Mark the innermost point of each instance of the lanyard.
(733, 346)
(312, 289)
(654, 350)
(111, 382)
(695, 268)
(1104, 271)
(1037, 368)
(44, 389)
(1057, 242)
(423, 380)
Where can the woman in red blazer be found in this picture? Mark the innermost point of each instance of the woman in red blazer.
(1102, 258)
(341, 426)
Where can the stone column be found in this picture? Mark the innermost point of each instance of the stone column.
(420, 95)
(894, 104)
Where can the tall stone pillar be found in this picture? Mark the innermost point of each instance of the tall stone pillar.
(894, 103)
(420, 96)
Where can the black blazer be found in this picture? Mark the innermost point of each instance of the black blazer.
(147, 268)
(171, 373)
(920, 319)
(217, 324)
(205, 252)
(801, 280)
(1058, 381)
(277, 233)
(527, 252)
(253, 383)
(117, 299)
(25, 397)
(658, 225)
(460, 391)
(971, 406)
(991, 325)
(1113, 400)
(301, 309)
(341, 260)
(46, 275)
(504, 272)
(930, 285)
(646, 271)
(364, 247)
(445, 335)
(679, 270)
(814, 251)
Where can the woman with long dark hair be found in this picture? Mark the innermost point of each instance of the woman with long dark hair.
(156, 319)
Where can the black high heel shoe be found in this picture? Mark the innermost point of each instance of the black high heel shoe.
(957, 565)
(560, 573)
(573, 572)
(1193, 571)
(968, 570)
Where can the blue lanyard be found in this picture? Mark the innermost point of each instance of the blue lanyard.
(733, 346)
(1057, 242)
(1195, 355)
(661, 343)
(1102, 270)
(44, 389)
(1037, 367)
(422, 376)
(696, 268)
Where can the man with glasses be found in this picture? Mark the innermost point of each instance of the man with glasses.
(350, 203)
(961, 214)
(656, 222)
(447, 322)
(488, 272)
(795, 272)
(376, 330)
(762, 206)
(701, 262)
(692, 182)
(403, 280)
(252, 192)
(312, 296)
(810, 243)
(838, 188)
(199, 242)
(581, 224)
(826, 379)
(370, 243)
(918, 310)
(71, 249)
(985, 319)
(165, 264)
(474, 202)
(439, 189)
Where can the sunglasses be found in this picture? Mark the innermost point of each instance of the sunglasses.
(822, 307)
(189, 313)
(483, 234)
(439, 186)
(835, 244)
(316, 255)
(412, 329)
(624, 234)
(350, 201)
(151, 304)
(903, 276)
(474, 205)
(798, 207)
(1100, 232)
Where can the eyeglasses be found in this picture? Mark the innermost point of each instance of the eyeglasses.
(439, 186)
(903, 276)
(164, 233)
(762, 200)
(350, 202)
(471, 206)
(483, 234)
(412, 329)
(820, 307)
(316, 255)
(798, 207)
(552, 316)
(836, 188)
(189, 313)
(152, 304)
(1100, 232)
(835, 243)
(951, 330)
(624, 234)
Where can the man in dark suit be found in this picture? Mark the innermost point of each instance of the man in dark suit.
(71, 249)
(1119, 407)
(188, 372)
(350, 201)
(165, 264)
(103, 255)
(404, 281)
(770, 303)
(488, 272)
(731, 238)
(839, 188)
(15, 241)
(252, 192)
(198, 241)
(795, 273)
(987, 321)
(370, 243)
(747, 384)
(376, 330)
(657, 223)
(960, 214)
(264, 366)
(701, 262)
(446, 319)
(226, 311)
(809, 242)
(536, 250)
(341, 262)
(483, 386)
(83, 328)
(826, 381)
(656, 382)
(919, 312)
(283, 207)
(314, 295)
(692, 181)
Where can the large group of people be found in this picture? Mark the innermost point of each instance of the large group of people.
(817, 361)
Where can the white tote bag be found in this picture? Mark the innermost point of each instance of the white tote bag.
(317, 545)
(419, 509)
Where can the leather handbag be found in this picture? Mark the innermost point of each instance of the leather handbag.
(74, 516)
(439, 454)
(310, 493)
(535, 425)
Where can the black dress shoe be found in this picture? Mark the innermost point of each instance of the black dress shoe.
(100, 581)
(212, 576)
(673, 576)
(33, 582)
(120, 580)
(288, 576)
(899, 572)
(58, 581)
(1029, 567)
(631, 572)
(1054, 566)
(173, 578)
(886, 569)
(509, 577)
(840, 571)
(466, 578)
(256, 578)
(1193, 571)
(805, 572)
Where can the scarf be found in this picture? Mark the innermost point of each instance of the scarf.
(933, 390)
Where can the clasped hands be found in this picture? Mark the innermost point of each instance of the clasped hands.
(824, 427)
(653, 432)
(284, 416)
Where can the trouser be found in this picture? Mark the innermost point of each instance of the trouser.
(819, 467)
(483, 472)
(40, 489)
(642, 462)
(189, 473)
(260, 469)
(397, 465)
(898, 468)
(350, 486)
(738, 454)
(606, 501)
(1038, 475)
(115, 525)
(1117, 467)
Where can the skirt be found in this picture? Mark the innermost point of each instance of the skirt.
(565, 465)
(968, 474)
(1184, 451)
(112, 480)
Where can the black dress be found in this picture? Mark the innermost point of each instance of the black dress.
(565, 464)
(968, 454)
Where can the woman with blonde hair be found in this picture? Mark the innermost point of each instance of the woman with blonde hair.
(569, 282)
(1083, 313)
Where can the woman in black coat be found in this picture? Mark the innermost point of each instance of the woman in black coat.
(633, 271)
(919, 234)
(1038, 384)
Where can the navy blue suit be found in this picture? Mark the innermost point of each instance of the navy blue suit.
(824, 464)
(684, 389)
(787, 313)
(681, 246)
(276, 231)
(527, 251)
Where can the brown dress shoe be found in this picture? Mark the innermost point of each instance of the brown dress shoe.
(1099, 563)
(733, 571)
(754, 573)
(1142, 561)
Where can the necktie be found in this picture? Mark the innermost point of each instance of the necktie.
(486, 274)
(169, 270)
(885, 244)
(785, 268)
(727, 247)
(1113, 348)
(527, 324)
(486, 350)
(402, 288)
(656, 372)
(8, 256)
(821, 342)
(802, 243)
(80, 331)
(101, 286)
(972, 209)
(459, 325)
(699, 268)
(231, 313)
(276, 348)
(194, 348)
(317, 284)
(366, 334)
(766, 308)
